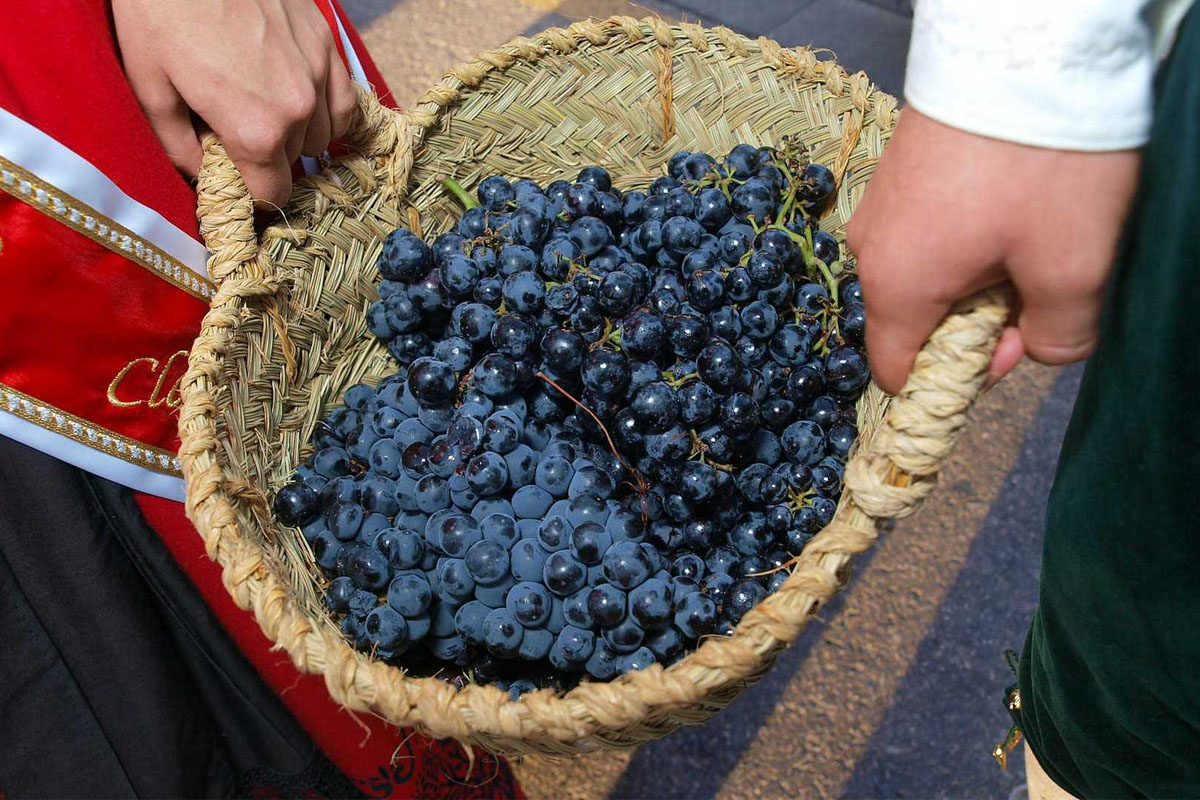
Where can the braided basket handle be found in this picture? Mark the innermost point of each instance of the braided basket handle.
(226, 210)
(899, 467)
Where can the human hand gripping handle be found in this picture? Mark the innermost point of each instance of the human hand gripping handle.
(263, 75)
(950, 213)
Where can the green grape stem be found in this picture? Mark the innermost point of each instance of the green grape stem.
(463, 196)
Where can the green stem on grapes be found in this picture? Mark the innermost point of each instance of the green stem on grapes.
(830, 283)
(796, 499)
(674, 382)
(455, 188)
(790, 201)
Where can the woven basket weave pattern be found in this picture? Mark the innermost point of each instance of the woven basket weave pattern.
(286, 336)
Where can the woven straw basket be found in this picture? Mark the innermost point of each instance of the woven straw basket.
(286, 335)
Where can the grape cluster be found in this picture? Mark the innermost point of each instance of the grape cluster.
(618, 417)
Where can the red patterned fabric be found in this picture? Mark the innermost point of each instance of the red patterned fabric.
(72, 313)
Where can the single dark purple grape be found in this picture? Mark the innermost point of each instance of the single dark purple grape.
(672, 445)
(716, 585)
(743, 596)
(824, 508)
(473, 223)
(696, 615)
(697, 402)
(502, 634)
(405, 257)
(719, 366)
(759, 319)
(846, 371)
(712, 209)
(605, 372)
(720, 446)
(789, 345)
(721, 560)
(626, 566)
(816, 185)
(564, 573)
(796, 538)
(446, 245)
(739, 414)
(804, 442)
(495, 375)
(806, 383)
(591, 234)
(680, 203)
(753, 353)
(850, 291)
(617, 293)
(680, 234)
(606, 605)
(557, 257)
(743, 161)
(751, 535)
(650, 604)
(772, 176)
(296, 504)
(496, 193)
(512, 335)
(643, 334)
(368, 568)
(662, 186)
(736, 241)
(841, 438)
(705, 289)
(524, 292)
(582, 200)
(739, 287)
(824, 410)
(656, 406)
(778, 294)
(853, 324)
(431, 382)
(595, 176)
(675, 164)
(755, 198)
(764, 447)
(777, 413)
(826, 481)
(825, 247)
(811, 298)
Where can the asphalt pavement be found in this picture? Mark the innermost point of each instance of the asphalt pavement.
(896, 690)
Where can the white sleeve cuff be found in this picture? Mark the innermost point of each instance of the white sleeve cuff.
(1065, 74)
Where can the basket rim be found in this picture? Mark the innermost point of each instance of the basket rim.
(881, 481)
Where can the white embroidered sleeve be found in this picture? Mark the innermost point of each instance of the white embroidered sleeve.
(1068, 74)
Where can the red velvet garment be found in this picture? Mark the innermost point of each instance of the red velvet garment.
(73, 313)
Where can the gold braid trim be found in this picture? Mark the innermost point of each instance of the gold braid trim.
(82, 218)
(87, 433)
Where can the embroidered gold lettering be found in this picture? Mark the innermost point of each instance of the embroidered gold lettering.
(112, 387)
(171, 398)
(163, 393)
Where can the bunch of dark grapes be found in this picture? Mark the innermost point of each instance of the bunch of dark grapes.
(618, 417)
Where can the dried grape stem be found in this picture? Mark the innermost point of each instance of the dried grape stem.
(640, 481)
